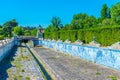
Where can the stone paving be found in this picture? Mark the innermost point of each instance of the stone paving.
(21, 67)
(69, 67)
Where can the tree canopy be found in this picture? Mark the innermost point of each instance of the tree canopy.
(108, 17)
(105, 12)
(55, 25)
(115, 12)
(8, 27)
(81, 21)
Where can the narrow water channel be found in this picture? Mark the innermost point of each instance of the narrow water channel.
(21, 64)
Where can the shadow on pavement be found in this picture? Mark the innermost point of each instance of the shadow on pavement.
(5, 64)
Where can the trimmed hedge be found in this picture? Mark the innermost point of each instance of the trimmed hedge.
(105, 36)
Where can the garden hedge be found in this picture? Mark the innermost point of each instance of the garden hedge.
(105, 36)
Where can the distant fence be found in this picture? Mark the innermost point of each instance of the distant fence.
(104, 56)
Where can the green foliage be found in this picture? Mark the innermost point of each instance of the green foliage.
(1, 31)
(67, 27)
(8, 27)
(112, 77)
(115, 12)
(1, 37)
(34, 32)
(27, 33)
(104, 29)
(105, 12)
(64, 35)
(56, 22)
(55, 25)
(104, 35)
(106, 22)
(51, 35)
(83, 21)
(18, 30)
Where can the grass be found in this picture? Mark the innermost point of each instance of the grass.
(98, 73)
(22, 70)
(112, 77)
(27, 78)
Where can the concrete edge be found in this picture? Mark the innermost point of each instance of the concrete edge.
(49, 70)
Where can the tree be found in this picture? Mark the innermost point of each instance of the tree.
(1, 31)
(77, 22)
(115, 12)
(82, 21)
(0, 26)
(55, 25)
(18, 30)
(105, 12)
(8, 27)
(34, 32)
(51, 28)
(67, 27)
(27, 33)
(106, 22)
(89, 22)
(56, 22)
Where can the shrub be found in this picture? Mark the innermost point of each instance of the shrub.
(1, 37)
(104, 35)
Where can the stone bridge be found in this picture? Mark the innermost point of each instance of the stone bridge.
(25, 39)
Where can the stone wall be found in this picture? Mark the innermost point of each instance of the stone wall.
(6, 46)
(104, 56)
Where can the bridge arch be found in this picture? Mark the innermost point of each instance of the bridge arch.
(26, 39)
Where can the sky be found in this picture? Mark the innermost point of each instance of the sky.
(40, 12)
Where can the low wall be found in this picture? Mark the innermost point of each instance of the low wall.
(104, 56)
(6, 48)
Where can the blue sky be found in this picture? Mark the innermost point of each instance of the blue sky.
(35, 12)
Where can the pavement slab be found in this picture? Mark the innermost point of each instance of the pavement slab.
(69, 67)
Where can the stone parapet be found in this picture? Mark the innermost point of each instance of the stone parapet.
(104, 56)
(5, 47)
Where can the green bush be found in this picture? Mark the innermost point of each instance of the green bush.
(64, 35)
(46, 35)
(1, 37)
(104, 35)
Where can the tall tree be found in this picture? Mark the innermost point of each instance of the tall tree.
(55, 25)
(105, 12)
(56, 22)
(77, 22)
(8, 27)
(81, 21)
(115, 12)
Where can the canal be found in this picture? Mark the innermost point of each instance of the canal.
(21, 64)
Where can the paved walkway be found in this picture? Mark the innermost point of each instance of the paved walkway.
(67, 67)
